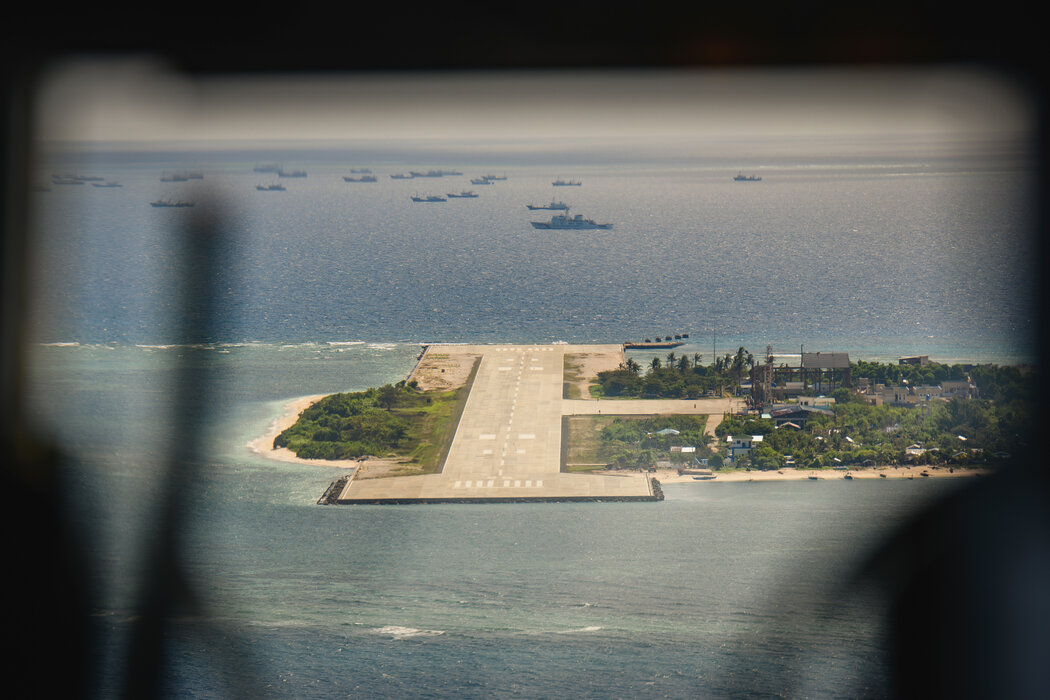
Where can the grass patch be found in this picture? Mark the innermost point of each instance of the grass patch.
(629, 442)
(581, 443)
(390, 421)
(572, 375)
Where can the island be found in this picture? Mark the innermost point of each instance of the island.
(500, 423)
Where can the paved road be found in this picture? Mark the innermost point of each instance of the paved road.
(508, 442)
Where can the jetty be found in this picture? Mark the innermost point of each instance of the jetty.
(508, 443)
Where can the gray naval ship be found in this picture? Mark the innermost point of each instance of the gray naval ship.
(552, 205)
(576, 222)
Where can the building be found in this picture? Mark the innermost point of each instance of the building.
(826, 371)
(811, 374)
(906, 395)
(796, 414)
(739, 446)
(958, 388)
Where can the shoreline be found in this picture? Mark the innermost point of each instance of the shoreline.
(671, 476)
(263, 445)
(368, 467)
(438, 370)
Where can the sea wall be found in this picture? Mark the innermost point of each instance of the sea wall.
(331, 494)
(656, 494)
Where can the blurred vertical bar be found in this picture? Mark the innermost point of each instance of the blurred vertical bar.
(164, 589)
(45, 620)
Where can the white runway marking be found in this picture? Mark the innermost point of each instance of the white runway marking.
(487, 436)
(526, 436)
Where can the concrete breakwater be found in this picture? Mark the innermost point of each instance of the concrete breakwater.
(658, 492)
(331, 494)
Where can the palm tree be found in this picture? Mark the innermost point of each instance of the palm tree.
(697, 357)
(738, 362)
(655, 364)
(632, 366)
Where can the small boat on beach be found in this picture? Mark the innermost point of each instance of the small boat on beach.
(276, 187)
(740, 177)
(566, 183)
(480, 181)
(428, 198)
(553, 206)
(466, 194)
(363, 178)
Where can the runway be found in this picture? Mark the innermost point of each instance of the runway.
(507, 446)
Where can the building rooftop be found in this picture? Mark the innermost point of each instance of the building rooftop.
(825, 360)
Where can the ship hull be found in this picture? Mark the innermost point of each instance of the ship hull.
(648, 346)
(544, 225)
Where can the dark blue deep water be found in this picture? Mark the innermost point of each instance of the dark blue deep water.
(720, 590)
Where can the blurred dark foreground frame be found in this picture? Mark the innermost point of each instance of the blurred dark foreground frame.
(965, 582)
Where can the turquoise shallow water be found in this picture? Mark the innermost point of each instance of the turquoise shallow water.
(720, 589)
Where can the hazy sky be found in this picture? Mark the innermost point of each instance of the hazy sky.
(142, 102)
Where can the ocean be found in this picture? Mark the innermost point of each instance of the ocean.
(720, 590)
(905, 248)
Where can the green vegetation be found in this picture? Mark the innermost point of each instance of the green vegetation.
(632, 442)
(684, 376)
(857, 433)
(391, 420)
(998, 422)
(676, 376)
